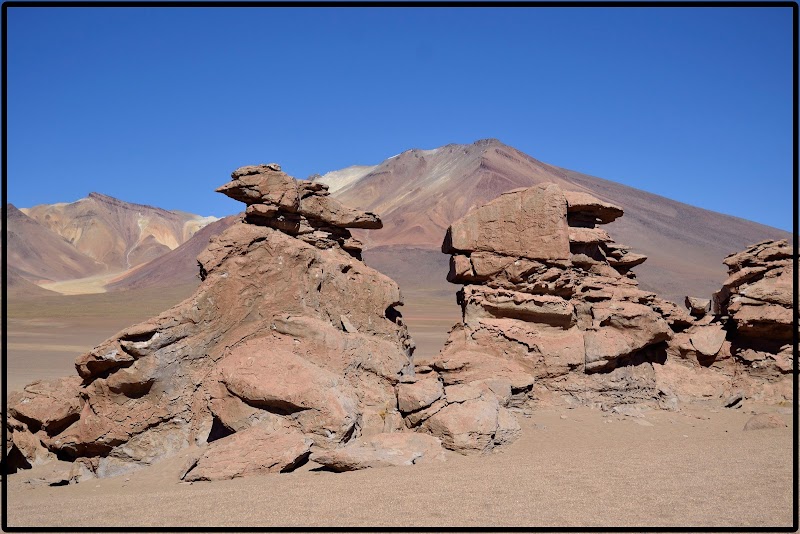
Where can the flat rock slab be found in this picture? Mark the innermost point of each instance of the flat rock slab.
(383, 450)
(708, 339)
(527, 223)
(257, 450)
(584, 203)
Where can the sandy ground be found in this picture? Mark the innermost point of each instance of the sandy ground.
(579, 467)
(82, 286)
(690, 468)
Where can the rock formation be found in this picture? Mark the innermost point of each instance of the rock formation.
(291, 346)
(549, 299)
(551, 309)
(747, 337)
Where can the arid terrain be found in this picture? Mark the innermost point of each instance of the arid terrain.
(695, 468)
(607, 457)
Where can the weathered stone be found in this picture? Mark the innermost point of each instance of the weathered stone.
(588, 236)
(545, 309)
(333, 212)
(288, 336)
(627, 261)
(420, 394)
(51, 405)
(584, 203)
(698, 307)
(257, 450)
(707, 339)
(764, 421)
(485, 264)
(263, 185)
(621, 329)
(771, 289)
(383, 450)
(280, 381)
(466, 427)
(528, 223)
(460, 270)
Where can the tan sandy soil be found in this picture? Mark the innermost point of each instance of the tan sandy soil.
(429, 316)
(82, 286)
(691, 468)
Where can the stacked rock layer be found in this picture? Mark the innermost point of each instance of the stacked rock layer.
(744, 333)
(550, 299)
(291, 346)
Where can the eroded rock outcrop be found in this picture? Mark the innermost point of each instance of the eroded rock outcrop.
(292, 348)
(558, 307)
(290, 343)
(747, 336)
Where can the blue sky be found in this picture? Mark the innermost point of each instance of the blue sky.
(159, 105)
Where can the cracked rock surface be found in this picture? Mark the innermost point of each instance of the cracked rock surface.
(289, 341)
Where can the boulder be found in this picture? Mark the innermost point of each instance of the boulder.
(472, 426)
(420, 394)
(707, 339)
(620, 330)
(764, 421)
(382, 450)
(280, 381)
(698, 307)
(585, 204)
(49, 405)
(289, 339)
(257, 450)
(564, 319)
(527, 223)
(263, 184)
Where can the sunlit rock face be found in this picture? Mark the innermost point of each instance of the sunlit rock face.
(290, 344)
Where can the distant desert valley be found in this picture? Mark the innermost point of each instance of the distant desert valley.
(463, 336)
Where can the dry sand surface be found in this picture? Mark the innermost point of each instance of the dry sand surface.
(691, 468)
(579, 467)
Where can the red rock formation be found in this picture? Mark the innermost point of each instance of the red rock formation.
(293, 348)
(747, 339)
(290, 344)
(555, 305)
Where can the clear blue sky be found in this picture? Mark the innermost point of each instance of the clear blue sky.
(158, 105)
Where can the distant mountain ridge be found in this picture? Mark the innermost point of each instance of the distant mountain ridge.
(96, 236)
(118, 234)
(418, 193)
(37, 254)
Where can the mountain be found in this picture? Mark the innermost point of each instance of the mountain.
(18, 285)
(177, 267)
(117, 234)
(420, 192)
(37, 254)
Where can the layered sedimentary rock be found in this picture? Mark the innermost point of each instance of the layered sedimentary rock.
(290, 345)
(557, 306)
(747, 336)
